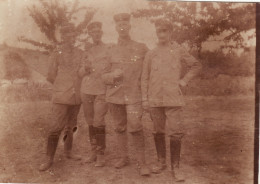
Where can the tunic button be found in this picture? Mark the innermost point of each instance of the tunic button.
(73, 90)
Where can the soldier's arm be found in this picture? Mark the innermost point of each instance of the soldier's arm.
(145, 77)
(145, 49)
(194, 66)
(108, 76)
(83, 70)
(53, 67)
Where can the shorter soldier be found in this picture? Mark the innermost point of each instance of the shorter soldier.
(63, 74)
(93, 92)
(161, 93)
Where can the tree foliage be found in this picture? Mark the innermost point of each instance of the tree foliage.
(51, 14)
(195, 23)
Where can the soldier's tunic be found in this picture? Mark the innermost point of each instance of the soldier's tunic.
(160, 85)
(63, 73)
(124, 95)
(93, 88)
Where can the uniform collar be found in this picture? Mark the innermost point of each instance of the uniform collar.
(164, 45)
(123, 42)
(67, 48)
(98, 44)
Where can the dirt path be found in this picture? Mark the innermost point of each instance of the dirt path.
(218, 147)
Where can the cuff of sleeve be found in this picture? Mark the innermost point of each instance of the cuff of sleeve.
(183, 82)
(108, 79)
(50, 80)
(82, 71)
(144, 99)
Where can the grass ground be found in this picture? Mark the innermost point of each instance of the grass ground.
(218, 147)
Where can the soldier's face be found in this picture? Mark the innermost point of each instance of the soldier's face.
(163, 35)
(123, 28)
(68, 38)
(96, 35)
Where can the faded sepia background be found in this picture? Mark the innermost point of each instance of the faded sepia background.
(219, 114)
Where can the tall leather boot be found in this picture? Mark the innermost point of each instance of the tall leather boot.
(160, 145)
(68, 141)
(93, 142)
(122, 148)
(101, 146)
(51, 149)
(175, 151)
(138, 141)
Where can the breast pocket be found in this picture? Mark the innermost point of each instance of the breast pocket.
(63, 82)
(156, 63)
(174, 63)
(99, 64)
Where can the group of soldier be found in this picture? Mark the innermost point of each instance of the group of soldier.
(126, 79)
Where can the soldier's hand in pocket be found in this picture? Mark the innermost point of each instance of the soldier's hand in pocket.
(118, 73)
(145, 105)
(88, 66)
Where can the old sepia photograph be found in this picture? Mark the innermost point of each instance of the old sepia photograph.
(127, 92)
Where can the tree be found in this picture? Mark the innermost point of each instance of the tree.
(196, 23)
(49, 17)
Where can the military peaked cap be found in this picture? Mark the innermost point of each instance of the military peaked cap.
(122, 17)
(163, 24)
(94, 26)
(67, 27)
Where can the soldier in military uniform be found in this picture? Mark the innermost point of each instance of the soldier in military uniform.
(161, 92)
(93, 91)
(124, 91)
(63, 74)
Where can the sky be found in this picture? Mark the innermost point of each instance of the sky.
(15, 21)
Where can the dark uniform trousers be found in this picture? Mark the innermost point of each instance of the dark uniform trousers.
(64, 116)
(127, 117)
(95, 108)
(171, 115)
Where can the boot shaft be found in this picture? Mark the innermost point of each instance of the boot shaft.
(68, 141)
(139, 145)
(92, 135)
(122, 144)
(175, 151)
(160, 145)
(101, 139)
(52, 145)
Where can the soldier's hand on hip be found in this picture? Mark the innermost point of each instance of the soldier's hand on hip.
(118, 73)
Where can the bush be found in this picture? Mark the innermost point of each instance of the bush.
(216, 63)
(221, 86)
(15, 67)
(28, 92)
